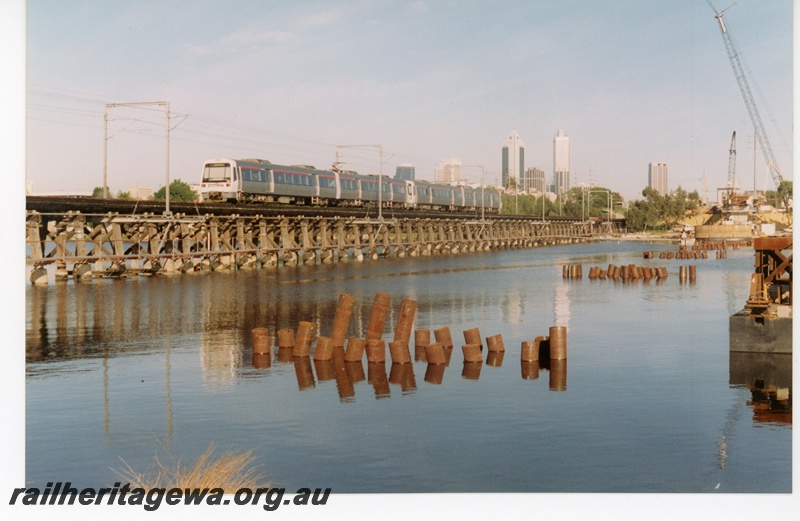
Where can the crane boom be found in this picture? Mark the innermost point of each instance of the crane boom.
(752, 109)
(732, 162)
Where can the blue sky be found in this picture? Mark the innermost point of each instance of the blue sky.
(630, 83)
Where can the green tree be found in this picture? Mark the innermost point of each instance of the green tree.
(178, 191)
(785, 187)
(658, 211)
(97, 193)
(125, 196)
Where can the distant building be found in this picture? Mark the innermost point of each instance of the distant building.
(657, 177)
(533, 180)
(448, 171)
(141, 192)
(561, 169)
(404, 172)
(513, 158)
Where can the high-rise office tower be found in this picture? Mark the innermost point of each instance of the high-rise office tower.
(404, 172)
(657, 177)
(533, 180)
(448, 171)
(513, 158)
(561, 162)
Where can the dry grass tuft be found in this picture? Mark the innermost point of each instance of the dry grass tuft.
(229, 471)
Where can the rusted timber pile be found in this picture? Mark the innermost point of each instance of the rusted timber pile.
(628, 273)
(700, 250)
(112, 245)
(333, 360)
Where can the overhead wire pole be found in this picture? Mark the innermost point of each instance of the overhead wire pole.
(380, 172)
(483, 174)
(108, 106)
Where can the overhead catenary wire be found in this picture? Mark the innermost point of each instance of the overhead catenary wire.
(204, 129)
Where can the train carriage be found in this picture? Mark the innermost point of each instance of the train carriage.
(469, 198)
(255, 178)
(423, 190)
(458, 197)
(369, 189)
(328, 188)
(399, 195)
(441, 197)
(349, 189)
(258, 180)
(294, 184)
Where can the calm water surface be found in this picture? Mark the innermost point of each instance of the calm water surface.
(650, 400)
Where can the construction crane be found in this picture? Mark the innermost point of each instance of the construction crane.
(734, 200)
(731, 191)
(752, 109)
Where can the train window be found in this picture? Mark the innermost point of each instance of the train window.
(279, 177)
(216, 172)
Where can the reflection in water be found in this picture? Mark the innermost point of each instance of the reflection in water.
(403, 375)
(434, 373)
(561, 304)
(324, 369)
(514, 306)
(262, 360)
(530, 370)
(472, 370)
(495, 358)
(305, 376)
(84, 320)
(194, 333)
(220, 355)
(344, 381)
(768, 377)
(376, 376)
(68, 320)
(558, 375)
(285, 355)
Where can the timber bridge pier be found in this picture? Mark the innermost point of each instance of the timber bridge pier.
(86, 238)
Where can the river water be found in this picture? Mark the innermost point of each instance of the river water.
(120, 371)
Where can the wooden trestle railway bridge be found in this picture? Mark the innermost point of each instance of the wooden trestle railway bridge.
(114, 244)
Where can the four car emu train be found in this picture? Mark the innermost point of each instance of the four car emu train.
(258, 180)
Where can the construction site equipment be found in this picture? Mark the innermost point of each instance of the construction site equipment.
(752, 109)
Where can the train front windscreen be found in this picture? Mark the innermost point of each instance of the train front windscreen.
(216, 172)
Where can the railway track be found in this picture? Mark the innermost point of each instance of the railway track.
(91, 205)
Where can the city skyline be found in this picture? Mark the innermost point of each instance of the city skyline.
(561, 163)
(448, 171)
(513, 159)
(331, 75)
(657, 177)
